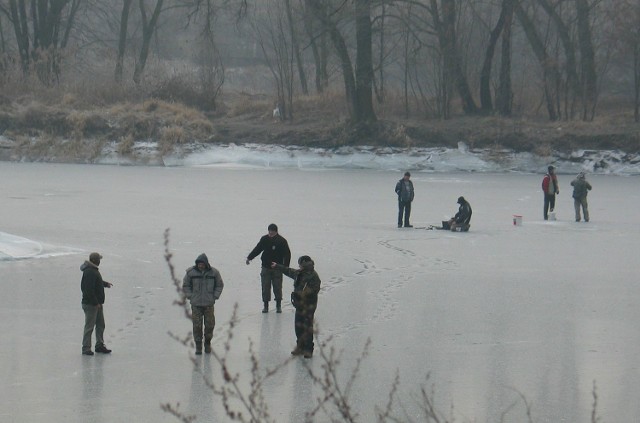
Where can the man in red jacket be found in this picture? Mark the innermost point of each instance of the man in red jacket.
(550, 189)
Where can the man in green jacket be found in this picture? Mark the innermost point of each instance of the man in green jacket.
(202, 285)
(580, 190)
(92, 287)
(306, 286)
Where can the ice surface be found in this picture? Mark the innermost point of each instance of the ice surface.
(542, 310)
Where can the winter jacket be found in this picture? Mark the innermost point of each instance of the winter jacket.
(274, 249)
(404, 189)
(580, 187)
(202, 288)
(92, 285)
(306, 284)
(550, 184)
(464, 214)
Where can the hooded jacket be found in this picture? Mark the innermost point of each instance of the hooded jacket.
(202, 288)
(92, 285)
(464, 213)
(306, 283)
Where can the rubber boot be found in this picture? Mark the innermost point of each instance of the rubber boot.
(266, 307)
(278, 306)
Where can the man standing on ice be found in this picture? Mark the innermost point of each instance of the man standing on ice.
(580, 190)
(274, 248)
(550, 189)
(404, 189)
(202, 285)
(304, 298)
(92, 287)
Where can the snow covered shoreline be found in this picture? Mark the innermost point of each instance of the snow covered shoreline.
(434, 160)
(419, 159)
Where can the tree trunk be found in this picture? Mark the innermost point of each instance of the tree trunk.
(75, 6)
(18, 14)
(364, 63)
(341, 51)
(318, 47)
(453, 57)
(296, 49)
(380, 90)
(550, 72)
(148, 28)
(122, 39)
(503, 98)
(588, 62)
(572, 81)
(636, 82)
(444, 89)
(486, 100)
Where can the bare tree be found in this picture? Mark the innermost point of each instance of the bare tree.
(587, 61)
(122, 39)
(551, 75)
(317, 36)
(42, 29)
(504, 96)
(358, 82)
(572, 83)
(270, 27)
(295, 45)
(622, 36)
(444, 19)
(148, 28)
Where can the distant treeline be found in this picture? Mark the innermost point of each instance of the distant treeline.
(433, 57)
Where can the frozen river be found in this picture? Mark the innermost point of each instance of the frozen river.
(541, 311)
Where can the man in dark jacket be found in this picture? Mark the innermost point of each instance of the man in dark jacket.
(404, 189)
(274, 248)
(550, 188)
(463, 217)
(202, 285)
(306, 286)
(92, 287)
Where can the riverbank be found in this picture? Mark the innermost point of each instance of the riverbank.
(155, 132)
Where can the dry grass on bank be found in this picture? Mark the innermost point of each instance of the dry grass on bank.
(56, 120)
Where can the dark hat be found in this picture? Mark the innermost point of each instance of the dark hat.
(272, 227)
(95, 257)
(407, 174)
(202, 258)
(551, 168)
(461, 200)
(304, 259)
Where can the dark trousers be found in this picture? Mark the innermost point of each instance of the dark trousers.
(404, 208)
(304, 327)
(93, 318)
(581, 202)
(271, 278)
(198, 315)
(549, 204)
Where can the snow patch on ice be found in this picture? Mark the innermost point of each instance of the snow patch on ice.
(13, 247)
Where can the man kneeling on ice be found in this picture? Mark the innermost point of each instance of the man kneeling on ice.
(460, 222)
